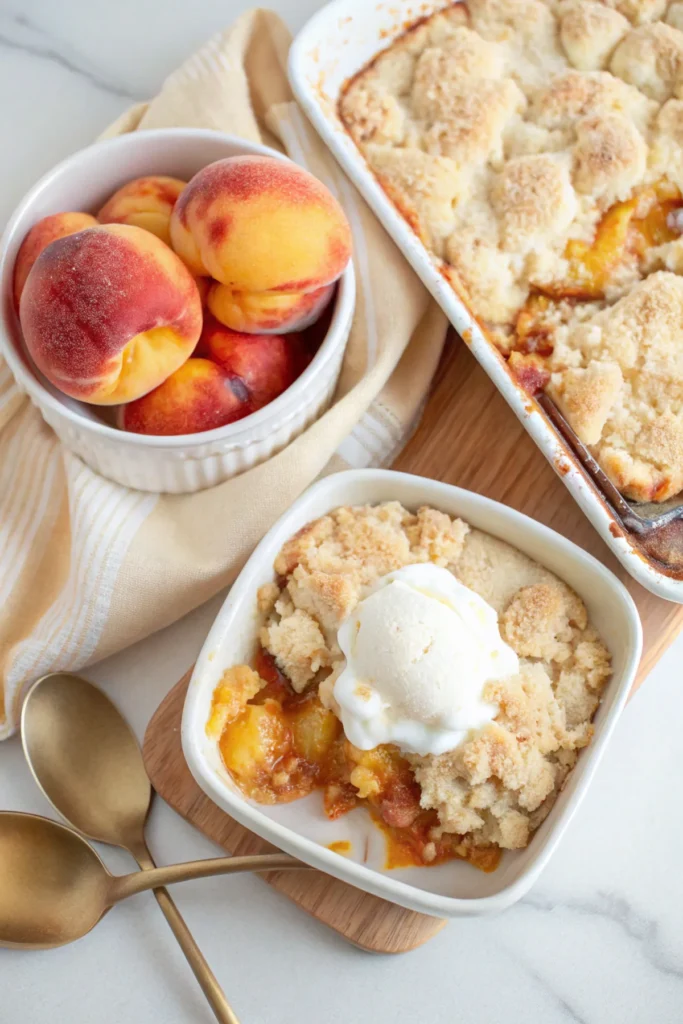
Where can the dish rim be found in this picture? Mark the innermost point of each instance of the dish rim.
(239, 434)
(193, 735)
(306, 70)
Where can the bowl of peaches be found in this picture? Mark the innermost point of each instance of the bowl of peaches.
(177, 304)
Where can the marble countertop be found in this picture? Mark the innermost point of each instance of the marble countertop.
(599, 940)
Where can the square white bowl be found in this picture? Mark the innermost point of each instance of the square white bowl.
(300, 828)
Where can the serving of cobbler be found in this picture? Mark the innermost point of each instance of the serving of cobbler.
(277, 720)
(536, 148)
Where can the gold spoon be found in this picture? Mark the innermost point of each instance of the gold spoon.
(54, 888)
(86, 759)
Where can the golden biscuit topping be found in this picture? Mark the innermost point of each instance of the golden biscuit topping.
(589, 32)
(534, 201)
(440, 71)
(425, 187)
(609, 157)
(467, 124)
(499, 784)
(650, 57)
(536, 148)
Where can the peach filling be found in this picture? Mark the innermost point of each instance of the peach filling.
(626, 232)
(280, 746)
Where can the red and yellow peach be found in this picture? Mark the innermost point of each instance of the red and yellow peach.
(42, 234)
(198, 396)
(112, 315)
(267, 312)
(109, 313)
(145, 203)
(229, 376)
(269, 233)
(266, 364)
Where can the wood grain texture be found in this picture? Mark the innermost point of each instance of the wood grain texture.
(468, 436)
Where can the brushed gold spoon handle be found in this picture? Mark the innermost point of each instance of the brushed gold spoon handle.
(206, 979)
(123, 886)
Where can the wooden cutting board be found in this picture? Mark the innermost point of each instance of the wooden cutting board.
(469, 437)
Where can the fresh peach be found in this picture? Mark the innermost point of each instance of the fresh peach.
(261, 225)
(47, 230)
(267, 312)
(258, 223)
(266, 364)
(199, 396)
(145, 203)
(109, 313)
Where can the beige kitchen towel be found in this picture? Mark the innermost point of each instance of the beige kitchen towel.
(88, 567)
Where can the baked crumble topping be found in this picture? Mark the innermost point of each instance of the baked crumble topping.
(279, 724)
(536, 148)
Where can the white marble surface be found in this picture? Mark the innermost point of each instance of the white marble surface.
(600, 938)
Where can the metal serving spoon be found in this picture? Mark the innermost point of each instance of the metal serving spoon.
(54, 888)
(86, 759)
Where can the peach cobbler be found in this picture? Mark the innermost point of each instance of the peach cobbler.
(536, 148)
(422, 668)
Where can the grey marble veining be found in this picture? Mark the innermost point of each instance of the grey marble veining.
(18, 32)
(643, 929)
(599, 940)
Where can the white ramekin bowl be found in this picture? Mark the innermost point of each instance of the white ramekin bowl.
(184, 463)
(453, 889)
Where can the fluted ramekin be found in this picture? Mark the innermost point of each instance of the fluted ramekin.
(188, 462)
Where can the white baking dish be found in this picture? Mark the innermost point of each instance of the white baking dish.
(188, 462)
(300, 827)
(335, 44)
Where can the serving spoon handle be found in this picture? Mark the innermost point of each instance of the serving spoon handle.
(123, 886)
(206, 979)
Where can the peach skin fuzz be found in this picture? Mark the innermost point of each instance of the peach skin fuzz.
(145, 203)
(199, 396)
(266, 364)
(47, 230)
(270, 235)
(109, 313)
(267, 312)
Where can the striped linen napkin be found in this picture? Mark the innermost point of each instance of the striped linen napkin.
(88, 567)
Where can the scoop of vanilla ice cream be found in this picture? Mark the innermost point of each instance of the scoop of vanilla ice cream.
(419, 649)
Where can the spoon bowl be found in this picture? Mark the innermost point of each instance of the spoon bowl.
(86, 759)
(54, 888)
